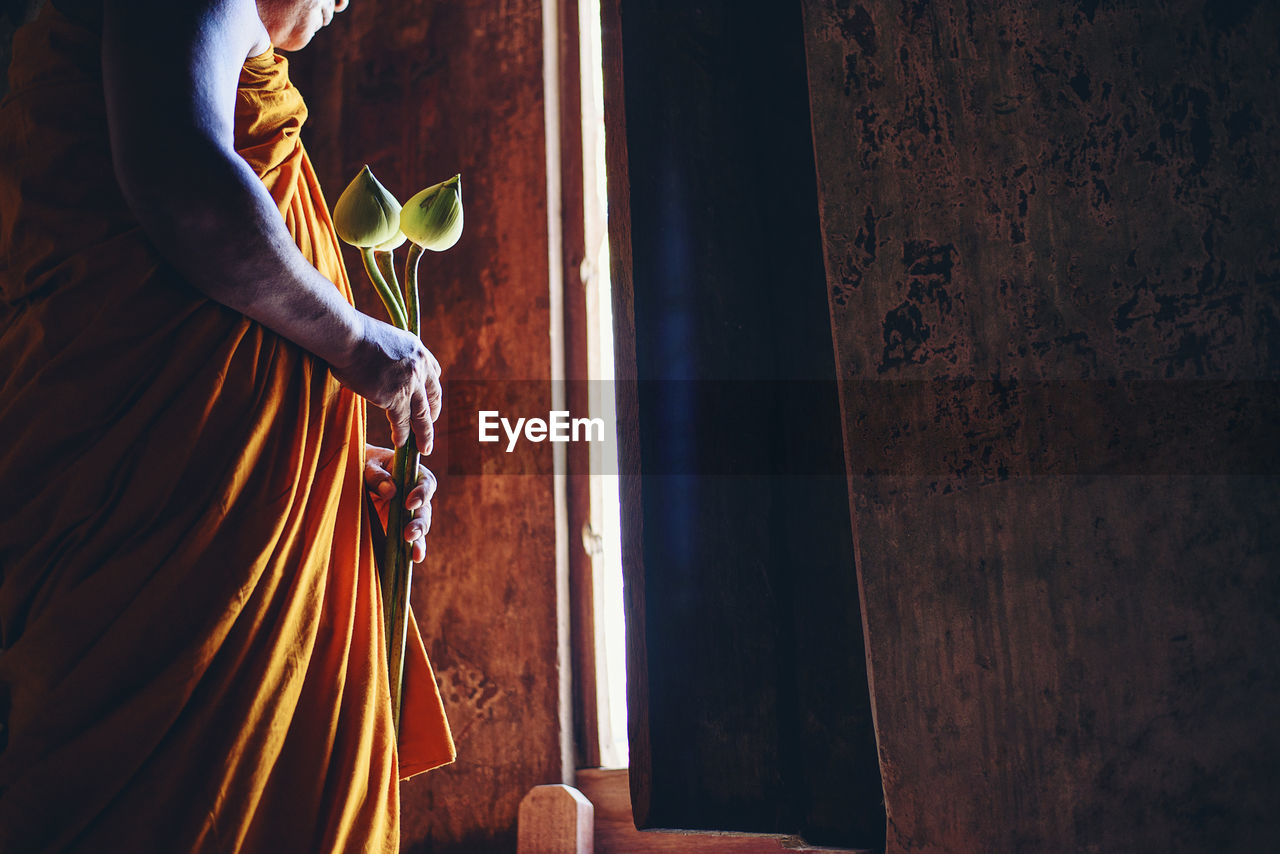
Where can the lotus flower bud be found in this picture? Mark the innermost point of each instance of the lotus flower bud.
(392, 244)
(433, 218)
(366, 214)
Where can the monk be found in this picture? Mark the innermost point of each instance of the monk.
(191, 654)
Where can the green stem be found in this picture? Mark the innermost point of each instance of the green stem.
(397, 569)
(411, 288)
(397, 572)
(390, 299)
(383, 260)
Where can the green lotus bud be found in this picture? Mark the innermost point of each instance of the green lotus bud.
(366, 214)
(432, 219)
(392, 244)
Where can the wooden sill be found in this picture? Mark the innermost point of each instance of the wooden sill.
(615, 833)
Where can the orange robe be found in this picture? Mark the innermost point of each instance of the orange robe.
(191, 656)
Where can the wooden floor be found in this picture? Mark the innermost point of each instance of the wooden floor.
(615, 832)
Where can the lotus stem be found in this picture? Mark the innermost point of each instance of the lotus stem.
(412, 310)
(397, 572)
(383, 260)
(390, 297)
(397, 568)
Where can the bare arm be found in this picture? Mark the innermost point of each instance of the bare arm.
(170, 72)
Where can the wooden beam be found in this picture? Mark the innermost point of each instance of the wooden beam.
(555, 819)
(615, 829)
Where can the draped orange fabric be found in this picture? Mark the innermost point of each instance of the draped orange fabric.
(191, 656)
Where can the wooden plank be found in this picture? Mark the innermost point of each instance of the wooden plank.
(615, 830)
(555, 819)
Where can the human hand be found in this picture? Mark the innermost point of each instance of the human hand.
(394, 371)
(382, 487)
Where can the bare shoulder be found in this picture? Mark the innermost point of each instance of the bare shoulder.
(171, 67)
(227, 27)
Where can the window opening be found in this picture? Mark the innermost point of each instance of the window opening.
(603, 535)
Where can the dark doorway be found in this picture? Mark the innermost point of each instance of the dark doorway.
(748, 695)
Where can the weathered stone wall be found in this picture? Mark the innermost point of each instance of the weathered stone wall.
(1051, 252)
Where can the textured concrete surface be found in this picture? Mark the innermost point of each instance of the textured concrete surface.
(1050, 245)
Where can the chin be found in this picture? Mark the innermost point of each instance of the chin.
(295, 40)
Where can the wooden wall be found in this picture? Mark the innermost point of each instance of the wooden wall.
(419, 90)
(1050, 236)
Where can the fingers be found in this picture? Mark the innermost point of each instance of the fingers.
(415, 533)
(426, 403)
(425, 399)
(435, 397)
(421, 494)
(419, 501)
(377, 471)
(423, 429)
(401, 425)
(378, 479)
(379, 455)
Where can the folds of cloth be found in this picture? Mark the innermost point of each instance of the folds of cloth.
(191, 655)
